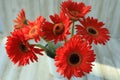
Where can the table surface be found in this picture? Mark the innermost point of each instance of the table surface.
(107, 66)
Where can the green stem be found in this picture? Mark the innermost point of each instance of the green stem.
(72, 29)
(41, 46)
(49, 49)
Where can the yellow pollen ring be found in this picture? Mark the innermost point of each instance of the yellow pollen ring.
(33, 31)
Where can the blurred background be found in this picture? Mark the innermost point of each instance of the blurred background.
(107, 65)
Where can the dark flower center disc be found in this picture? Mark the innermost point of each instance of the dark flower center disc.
(23, 48)
(58, 29)
(74, 59)
(92, 31)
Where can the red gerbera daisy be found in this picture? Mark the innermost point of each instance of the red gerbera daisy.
(93, 31)
(19, 50)
(33, 30)
(75, 10)
(21, 20)
(59, 29)
(74, 58)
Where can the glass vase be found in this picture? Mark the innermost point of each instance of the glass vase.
(51, 48)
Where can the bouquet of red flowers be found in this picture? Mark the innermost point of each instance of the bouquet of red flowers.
(75, 32)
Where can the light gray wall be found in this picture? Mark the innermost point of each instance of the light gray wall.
(107, 65)
(105, 10)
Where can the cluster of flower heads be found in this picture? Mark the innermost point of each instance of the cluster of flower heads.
(75, 56)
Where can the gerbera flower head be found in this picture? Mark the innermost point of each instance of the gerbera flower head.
(59, 29)
(21, 20)
(74, 58)
(19, 50)
(93, 31)
(33, 30)
(75, 10)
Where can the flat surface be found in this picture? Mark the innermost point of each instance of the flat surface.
(106, 67)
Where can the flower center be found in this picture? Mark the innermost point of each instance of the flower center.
(23, 48)
(92, 31)
(75, 12)
(58, 29)
(74, 59)
(33, 31)
(73, 15)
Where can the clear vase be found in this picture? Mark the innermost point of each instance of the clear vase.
(51, 63)
(56, 75)
(52, 69)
